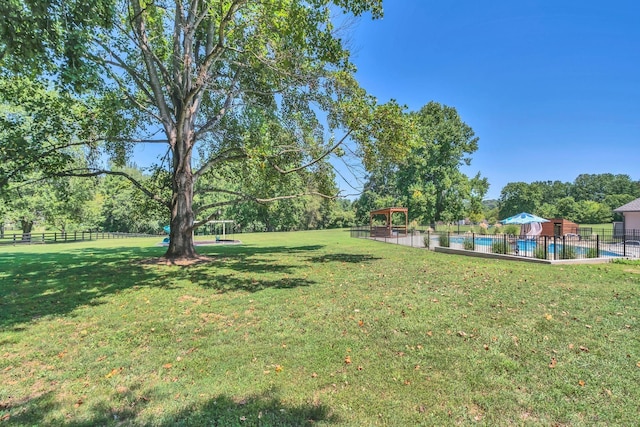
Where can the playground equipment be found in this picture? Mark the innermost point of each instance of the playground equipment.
(219, 228)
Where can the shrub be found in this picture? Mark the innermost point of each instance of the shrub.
(484, 228)
(467, 243)
(444, 240)
(427, 240)
(539, 252)
(592, 253)
(499, 247)
(568, 252)
(511, 229)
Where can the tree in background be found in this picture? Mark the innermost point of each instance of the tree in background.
(124, 208)
(518, 197)
(72, 204)
(428, 180)
(589, 199)
(26, 205)
(224, 81)
(597, 187)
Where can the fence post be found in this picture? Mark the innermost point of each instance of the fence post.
(555, 247)
(473, 241)
(546, 248)
(14, 239)
(75, 235)
(597, 246)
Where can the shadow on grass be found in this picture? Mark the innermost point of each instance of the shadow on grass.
(350, 258)
(40, 284)
(263, 410)
(34, 285)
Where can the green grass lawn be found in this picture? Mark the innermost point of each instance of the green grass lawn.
(313, 328)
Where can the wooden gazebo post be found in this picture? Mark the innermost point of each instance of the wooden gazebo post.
(387, 230)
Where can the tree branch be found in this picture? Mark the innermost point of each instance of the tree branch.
(150, 61)
(89, 173)
(221, 157)
(312, 162)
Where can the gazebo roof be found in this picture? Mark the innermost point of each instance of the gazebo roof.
(385, 211)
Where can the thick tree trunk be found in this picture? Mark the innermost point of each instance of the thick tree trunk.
(26, 225)
(182, 217)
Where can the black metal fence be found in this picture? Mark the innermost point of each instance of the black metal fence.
(76, 236)
(585, 244)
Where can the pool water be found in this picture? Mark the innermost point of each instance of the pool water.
(523, 245)
(528, 246)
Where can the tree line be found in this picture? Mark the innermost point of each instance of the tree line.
(111, 203)
(589, 199)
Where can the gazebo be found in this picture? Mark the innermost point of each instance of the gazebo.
(388, 229)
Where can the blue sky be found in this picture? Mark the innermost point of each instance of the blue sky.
(551, 88)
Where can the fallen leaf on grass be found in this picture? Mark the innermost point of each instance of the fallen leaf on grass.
(553, 363)
(347, 360)
(314, 375)
(583, 348)
(581, 383)
(167, 366)
(113, 372)
(278, 368)
(548, 316)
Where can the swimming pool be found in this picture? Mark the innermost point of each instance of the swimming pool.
(526, 247)
(523, 245)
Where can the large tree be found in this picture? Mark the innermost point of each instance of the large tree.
(518, 197)
(429, 180)
(265, 86)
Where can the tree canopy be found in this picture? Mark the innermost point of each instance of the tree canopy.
(427, 179)
(589, 199)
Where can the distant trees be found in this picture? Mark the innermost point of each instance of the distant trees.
(590, 199)
(428, 179)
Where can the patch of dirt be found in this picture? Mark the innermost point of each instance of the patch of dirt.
(633, 270)
(200, 259)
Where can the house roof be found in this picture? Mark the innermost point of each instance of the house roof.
(633, 206)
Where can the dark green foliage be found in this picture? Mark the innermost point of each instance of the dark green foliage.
(567, 252)
(499, 246)
(540, 252)
(444, 240)
(591, 253)
(588, 200)
(467, 243)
